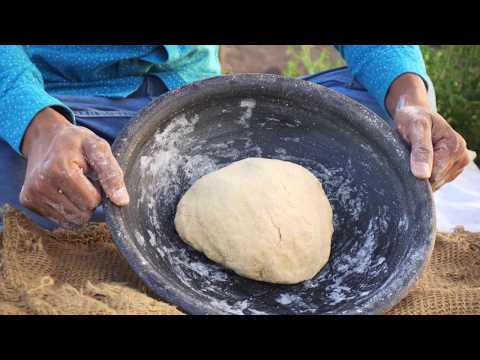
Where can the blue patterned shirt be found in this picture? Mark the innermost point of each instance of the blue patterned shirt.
(31, 76)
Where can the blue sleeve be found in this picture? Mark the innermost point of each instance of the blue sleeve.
(377, 66)
(22, 95)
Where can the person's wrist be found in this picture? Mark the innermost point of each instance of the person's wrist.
(44, 126)
(407, 90)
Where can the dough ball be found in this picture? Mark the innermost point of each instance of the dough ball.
(268, 220)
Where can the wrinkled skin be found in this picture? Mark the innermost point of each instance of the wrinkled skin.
(59, 157)
(438, 152)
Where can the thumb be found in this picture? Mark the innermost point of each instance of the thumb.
(110, 175)
(421, 157)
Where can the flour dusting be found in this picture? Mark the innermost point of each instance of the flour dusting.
(237, 308)
(286, 299)
(139, 238)
(249, 105)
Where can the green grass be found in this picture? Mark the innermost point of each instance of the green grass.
(455, 73)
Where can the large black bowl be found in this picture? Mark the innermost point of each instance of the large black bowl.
(383, 216)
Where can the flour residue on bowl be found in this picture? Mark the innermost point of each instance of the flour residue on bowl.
(237, 308)
(362, 261)
(167, 159)
(212, 276)
(249, 105)
(140, 238)
(286, 299)
(294, 300)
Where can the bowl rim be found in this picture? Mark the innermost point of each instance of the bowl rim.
(384, 299)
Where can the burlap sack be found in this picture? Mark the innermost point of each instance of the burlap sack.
(451, 283)
(81, 272)
(67, 272)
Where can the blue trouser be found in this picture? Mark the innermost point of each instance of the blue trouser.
(107, 116)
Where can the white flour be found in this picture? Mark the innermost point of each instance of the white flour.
(286, 299)
(139, 238)
(237, 308)
(249, 105)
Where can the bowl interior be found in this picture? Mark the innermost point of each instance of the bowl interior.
(383, 217)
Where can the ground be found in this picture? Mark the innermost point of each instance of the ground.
(256, 58)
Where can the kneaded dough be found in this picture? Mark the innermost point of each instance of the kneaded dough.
(265, 219)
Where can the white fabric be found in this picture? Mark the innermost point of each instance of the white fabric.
(458, 202)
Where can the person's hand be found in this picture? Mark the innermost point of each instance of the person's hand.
(438, 152)
(59, 156)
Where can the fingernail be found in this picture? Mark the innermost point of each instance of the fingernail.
(120, 197)
(421, 170)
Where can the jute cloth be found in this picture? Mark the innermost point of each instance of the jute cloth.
(67, 272)
(82, 272)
